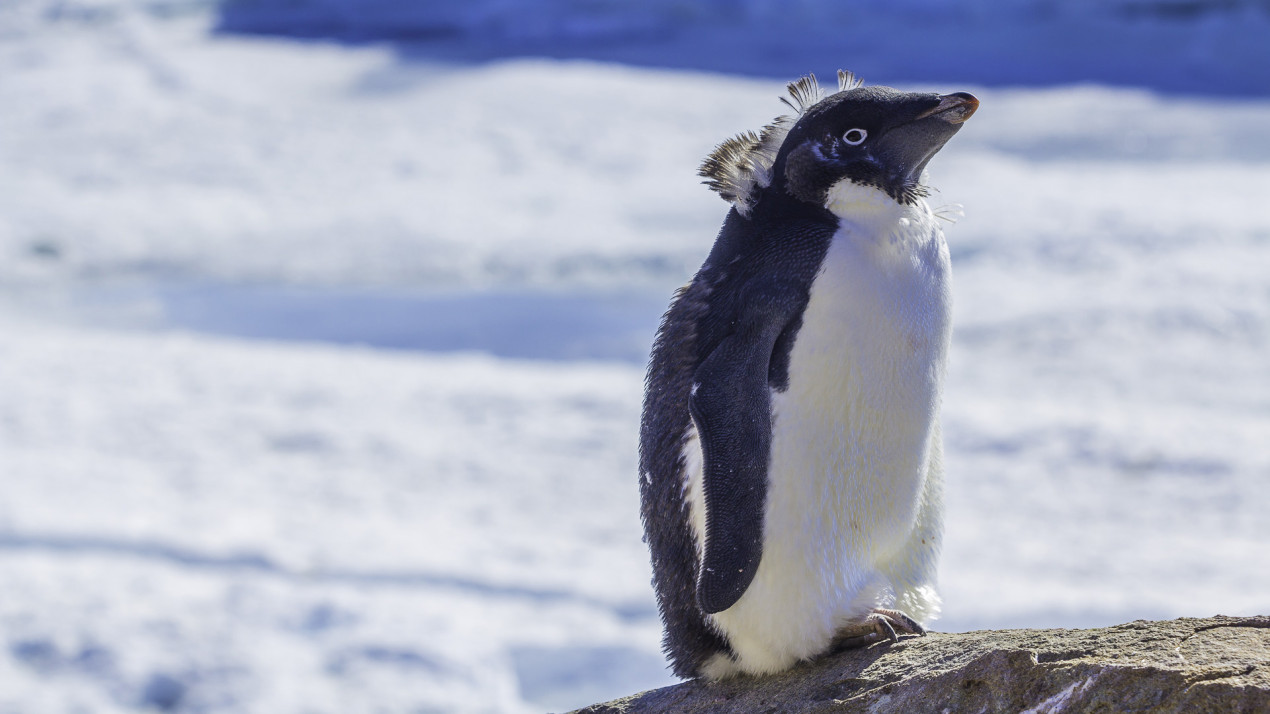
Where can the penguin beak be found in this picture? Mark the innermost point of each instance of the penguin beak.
(953, 108)
(906, 149)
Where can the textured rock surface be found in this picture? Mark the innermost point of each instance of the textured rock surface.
(1216, 664)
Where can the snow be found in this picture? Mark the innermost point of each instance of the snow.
(322, 364)
(282, 527)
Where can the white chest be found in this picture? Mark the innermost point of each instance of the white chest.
(853, 429)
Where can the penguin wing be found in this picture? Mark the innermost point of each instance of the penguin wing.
(731, 408)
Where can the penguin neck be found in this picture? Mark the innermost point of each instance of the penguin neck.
(881, 219)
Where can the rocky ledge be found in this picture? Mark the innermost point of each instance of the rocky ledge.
(1215, 664)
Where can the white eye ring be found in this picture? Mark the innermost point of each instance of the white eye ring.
(855, 137)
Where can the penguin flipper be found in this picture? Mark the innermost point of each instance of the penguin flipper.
(731, 408)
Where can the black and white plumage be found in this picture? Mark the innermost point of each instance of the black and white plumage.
(790, 453)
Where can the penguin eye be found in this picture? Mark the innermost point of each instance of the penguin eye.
(855, 137)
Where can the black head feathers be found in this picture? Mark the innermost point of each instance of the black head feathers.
(872, 136)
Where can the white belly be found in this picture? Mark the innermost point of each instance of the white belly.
(852, 517)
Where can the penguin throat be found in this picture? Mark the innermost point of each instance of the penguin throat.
(852, 201)
(898, 226)
(904, 189)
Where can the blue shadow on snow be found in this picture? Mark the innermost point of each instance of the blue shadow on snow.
(530, 325)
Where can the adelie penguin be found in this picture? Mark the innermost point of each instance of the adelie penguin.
(790, 450)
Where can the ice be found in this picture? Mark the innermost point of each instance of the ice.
(322, 363)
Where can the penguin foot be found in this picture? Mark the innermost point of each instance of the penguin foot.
(881, 624)
(901, 621)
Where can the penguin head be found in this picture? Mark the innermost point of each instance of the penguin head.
(871, 136)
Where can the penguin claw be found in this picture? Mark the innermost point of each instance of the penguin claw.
(882, 626)
(879, 625)
(901, 621)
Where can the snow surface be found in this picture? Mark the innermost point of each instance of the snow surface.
(322, 368)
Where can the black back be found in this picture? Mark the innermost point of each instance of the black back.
(784, 241)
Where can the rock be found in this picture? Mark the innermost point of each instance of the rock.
(1216, 664)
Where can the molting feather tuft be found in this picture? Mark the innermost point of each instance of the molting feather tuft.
(805, 93)
(742, 166)
(847, 80)
(739, 168)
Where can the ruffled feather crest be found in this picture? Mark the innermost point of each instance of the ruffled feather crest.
(742, 166)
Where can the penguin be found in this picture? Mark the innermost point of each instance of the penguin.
(790, 449)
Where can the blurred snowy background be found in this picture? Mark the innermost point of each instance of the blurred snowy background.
(323, 328)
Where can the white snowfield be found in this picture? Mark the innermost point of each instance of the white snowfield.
(211, 501)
